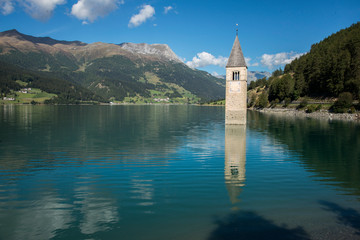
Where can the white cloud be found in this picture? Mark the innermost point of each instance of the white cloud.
(278, 59)
(145, 13)
(182, 59)
(249, 64)
(215, 74)
(50, 32)
(167, 9)
(204, 59)
(90, 10)
(6, 7)
(270, 61)
(86, 10)
(41, 9)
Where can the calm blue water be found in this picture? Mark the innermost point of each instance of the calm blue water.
(175, 172)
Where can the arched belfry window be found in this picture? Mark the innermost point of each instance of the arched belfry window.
(236, 76)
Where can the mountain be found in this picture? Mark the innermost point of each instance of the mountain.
(331, 67)
(124, 71)
(255, 75)
(13, 79)
(44, 40)
(252, 75)
(161, 51)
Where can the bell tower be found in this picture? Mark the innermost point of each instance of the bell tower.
(236, 86)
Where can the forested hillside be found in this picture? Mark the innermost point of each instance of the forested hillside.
(331, 67)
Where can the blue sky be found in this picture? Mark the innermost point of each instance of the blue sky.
(271, 33)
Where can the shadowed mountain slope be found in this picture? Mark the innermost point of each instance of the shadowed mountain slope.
(113, 71)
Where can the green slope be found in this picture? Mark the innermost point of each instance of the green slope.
(117, 77)
(332, 66)
(12, 78)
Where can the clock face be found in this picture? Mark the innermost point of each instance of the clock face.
(234, 87)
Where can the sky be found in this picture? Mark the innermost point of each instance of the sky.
(201, 33)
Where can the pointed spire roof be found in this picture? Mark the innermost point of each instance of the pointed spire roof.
(236, 58)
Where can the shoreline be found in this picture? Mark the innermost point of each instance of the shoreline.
(322, 114)
(291, 112)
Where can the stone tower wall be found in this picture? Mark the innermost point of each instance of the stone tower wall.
(236, 96)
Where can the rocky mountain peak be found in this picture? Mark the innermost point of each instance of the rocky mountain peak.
(158, 50)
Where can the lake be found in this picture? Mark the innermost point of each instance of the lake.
(175, 172)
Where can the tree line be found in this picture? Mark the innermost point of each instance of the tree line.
(330, 70)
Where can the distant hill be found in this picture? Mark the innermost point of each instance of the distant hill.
(331, 67)
(112, 71)
(255, 75)
(252, 75)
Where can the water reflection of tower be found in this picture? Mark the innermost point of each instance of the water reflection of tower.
(235, 159)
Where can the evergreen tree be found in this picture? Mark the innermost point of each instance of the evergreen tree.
(331, 67)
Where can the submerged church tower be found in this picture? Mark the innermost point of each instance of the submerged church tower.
(236, 86)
